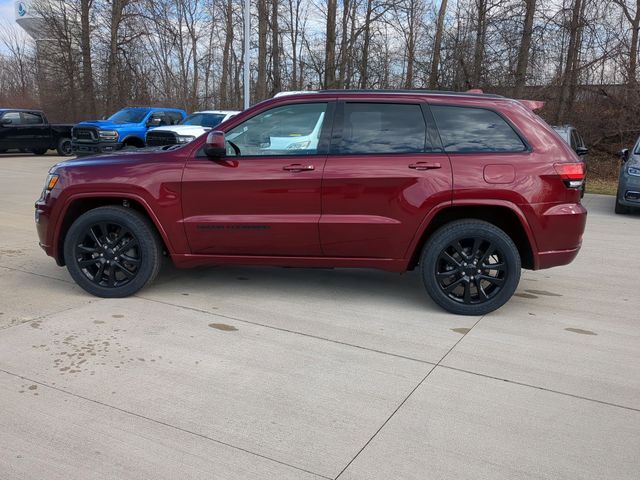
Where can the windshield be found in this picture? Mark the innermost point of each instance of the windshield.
(129, 115)
(204, 119)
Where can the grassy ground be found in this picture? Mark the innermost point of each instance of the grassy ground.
(603, 186)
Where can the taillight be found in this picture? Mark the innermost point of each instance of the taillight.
(572, 174)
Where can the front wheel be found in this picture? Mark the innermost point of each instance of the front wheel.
(112, 252)
(470, 267)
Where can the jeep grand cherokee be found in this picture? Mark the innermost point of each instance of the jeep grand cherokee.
(469, 188)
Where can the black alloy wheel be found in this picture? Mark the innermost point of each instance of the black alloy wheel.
(470, 267)
(112, 251)
(108, 254)
(64, 147)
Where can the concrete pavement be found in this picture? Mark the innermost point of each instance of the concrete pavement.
(260, 373)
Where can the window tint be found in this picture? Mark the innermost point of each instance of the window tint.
(383, 128)
(465, 129)
(14, 117)
(574, 140)
(287, 130)
(174, 117)
(31, 118)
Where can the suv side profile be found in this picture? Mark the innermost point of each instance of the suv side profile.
(468, 188)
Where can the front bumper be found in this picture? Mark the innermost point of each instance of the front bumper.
(95, 148)
(629, 191)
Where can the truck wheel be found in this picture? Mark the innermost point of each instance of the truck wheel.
(470, 267)
(112, 252)
(3, 151)
(64, 147)
(39, 151)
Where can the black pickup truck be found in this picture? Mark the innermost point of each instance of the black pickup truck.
(29, 131)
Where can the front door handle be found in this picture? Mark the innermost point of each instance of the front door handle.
(425, 165)
(296, 167)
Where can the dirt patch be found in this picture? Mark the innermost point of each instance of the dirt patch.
(223, 326)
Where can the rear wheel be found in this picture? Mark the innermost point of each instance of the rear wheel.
(39, 151)
(64, 147)
(470, 267)
(112, 252)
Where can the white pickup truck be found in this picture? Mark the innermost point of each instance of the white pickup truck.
(188, 129)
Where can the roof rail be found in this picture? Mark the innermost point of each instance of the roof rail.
(293, 92)
(472, 93)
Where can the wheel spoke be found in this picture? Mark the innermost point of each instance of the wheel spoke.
(112, 277)
(88, 263)
(496, 281)
(95, 237)
(121, 267)
(452, 286)
(130, 259)
(481, 293)
(487, 253)
(127, 245)
(467, 292)
(458, 248)
(97, 278)
(85, 249)
(449, 259)
(475, 250)
(494, 266)
(444, 275)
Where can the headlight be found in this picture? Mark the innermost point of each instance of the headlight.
(299, 145)
(635, 171)
(110, 135)
(184, 138)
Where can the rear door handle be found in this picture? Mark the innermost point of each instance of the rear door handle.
(296, 167)
(425, 165)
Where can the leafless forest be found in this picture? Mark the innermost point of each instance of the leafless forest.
(578, 55)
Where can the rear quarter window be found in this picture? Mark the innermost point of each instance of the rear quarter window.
(469, 129)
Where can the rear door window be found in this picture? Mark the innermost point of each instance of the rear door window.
(31, 118)
(382, 128)
(468, 130)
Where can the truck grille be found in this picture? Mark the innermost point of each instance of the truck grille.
(159, 139)
(84, 134)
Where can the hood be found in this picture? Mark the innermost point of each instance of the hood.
(142, 155)
(104, 124)
(195, 130)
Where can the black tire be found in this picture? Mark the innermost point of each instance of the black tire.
(3, 151)
(112, 252)
(619, 208)
(456, 268)
(64, 147)
(39, 151)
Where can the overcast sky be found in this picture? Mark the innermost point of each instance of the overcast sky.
(6, 10)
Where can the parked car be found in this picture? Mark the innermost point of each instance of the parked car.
(188, 129)
(124, 129)
(30, 131)
(628, 194)
(468, 188)
(572, 137)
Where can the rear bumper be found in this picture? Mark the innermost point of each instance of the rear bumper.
(558, 232)
(80, 148)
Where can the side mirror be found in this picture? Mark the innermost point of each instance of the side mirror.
(215, 146)
(582, 151)
(624, 154)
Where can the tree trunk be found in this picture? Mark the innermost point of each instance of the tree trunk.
(478, 54)
(330, 48)
(437, 46)
(569, 76)
(275, 48)
(364, 64)
(225, 79)
(85, 47)
(263, 21)
(525, 47)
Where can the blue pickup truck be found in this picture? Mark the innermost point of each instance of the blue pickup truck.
(126, 128)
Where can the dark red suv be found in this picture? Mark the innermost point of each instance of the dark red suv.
(469, 188)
